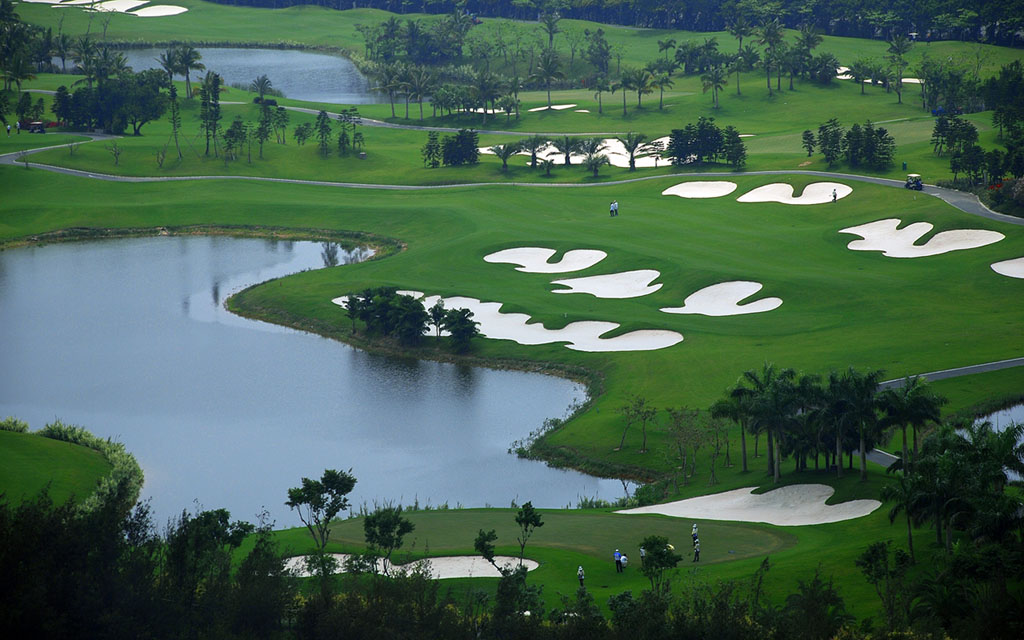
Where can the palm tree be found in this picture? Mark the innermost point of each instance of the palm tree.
(639, 81)
(662, 82)
(262, 86)
(862, 408)
(600, 86)
(771, 402)
(389, 79)
(594, 161)
(898, 48)
(547, 70)
(592, 146)
(715, 80)
(62, 46)
(549, 22)
(504, 152)
(634, 146)
(911, 404)
(769, 36)
(566, 146)
(808, 39)
(17, 70)
(533, 144)
(487, 87)
(665, 45)
(735, 407)
(739, 28)
(906, 498)
(189, 61)
(860, 71)
(623, 85)
(169, 63)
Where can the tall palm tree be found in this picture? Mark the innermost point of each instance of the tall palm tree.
(665, 45)
(771, 403)
(640, 81)
(739, 28)
(168, 61)
(862, 408)
(906, 498)
(261, 85)
(600, 85)
(860, 71)
(487, 88)
(662, 82)
(62, 46)
(421, 84)
(715, 80)
(389, 79)
(769, 35)
(735, 406)
(634, 144)
(898, 48)
(189, 61)
(547, 70)
(623, 85)
(911, 404)
(808, 39)
(549, 22)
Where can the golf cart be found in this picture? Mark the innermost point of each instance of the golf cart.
(913, 182)
(36, 127)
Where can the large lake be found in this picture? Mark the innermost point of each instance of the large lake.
(130, 339)
(302, 75)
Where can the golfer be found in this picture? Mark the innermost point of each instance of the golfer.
(579, 574)
(696, 550)
(618, 561)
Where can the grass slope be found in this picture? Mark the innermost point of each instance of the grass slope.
(28, 463)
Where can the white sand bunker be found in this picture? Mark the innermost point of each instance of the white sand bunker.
(536, 259)
(159, 11)
(554, 107)
(119, 6)
(626, 284)
(440, 568)
(581, 110)
(580, 336)
(884, 236)
(814, 193)
(1010, 268)
(615, 151)
(701, 189)
(792, 506)
(723, 299)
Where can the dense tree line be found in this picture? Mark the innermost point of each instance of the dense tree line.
(860, 145)
(387, 314)
(704, 142)
(997, 22)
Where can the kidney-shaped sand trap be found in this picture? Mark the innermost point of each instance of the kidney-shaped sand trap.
(814, 193)
(159, 11)
(723, 299)
(554, 107)
(885, 236)
(580, 336)
(701, 189)
(535, 259)
(791, 506)
(627, 284)
(440, 568)
(1010, 268)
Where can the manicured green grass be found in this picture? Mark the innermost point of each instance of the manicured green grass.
(28, 463)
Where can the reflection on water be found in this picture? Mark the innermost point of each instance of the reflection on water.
(1002, 419)
(130, 339)
(302, 75)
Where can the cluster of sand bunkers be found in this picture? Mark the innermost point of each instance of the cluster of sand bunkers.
(440, 568)
(129, 7)
(716, 300)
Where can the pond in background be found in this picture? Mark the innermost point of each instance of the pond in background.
(301, 75)
(129, 338)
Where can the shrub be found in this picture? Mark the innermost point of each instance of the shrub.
(11, 423)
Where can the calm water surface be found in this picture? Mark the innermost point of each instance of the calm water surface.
(129, 339)
(302, 75)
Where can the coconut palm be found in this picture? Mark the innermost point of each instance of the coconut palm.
(769, 35)
(898, 48)
(911, 404)
(623, 85)
(906, 498)
(600, 85)
(862, 408)
(639, 81)
(665, 45)
(168, 61)
(715, 80)
(389, 79)
(771, 405)
(547, 71)
(739, 28)
(189, 61)
(421, 84)
(504, 152)
(634, 144)
(662, 82)
(261, 85)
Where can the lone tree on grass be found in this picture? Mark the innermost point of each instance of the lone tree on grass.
(529, 520)
(318, 502)
(659, 558)
(384, 529)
